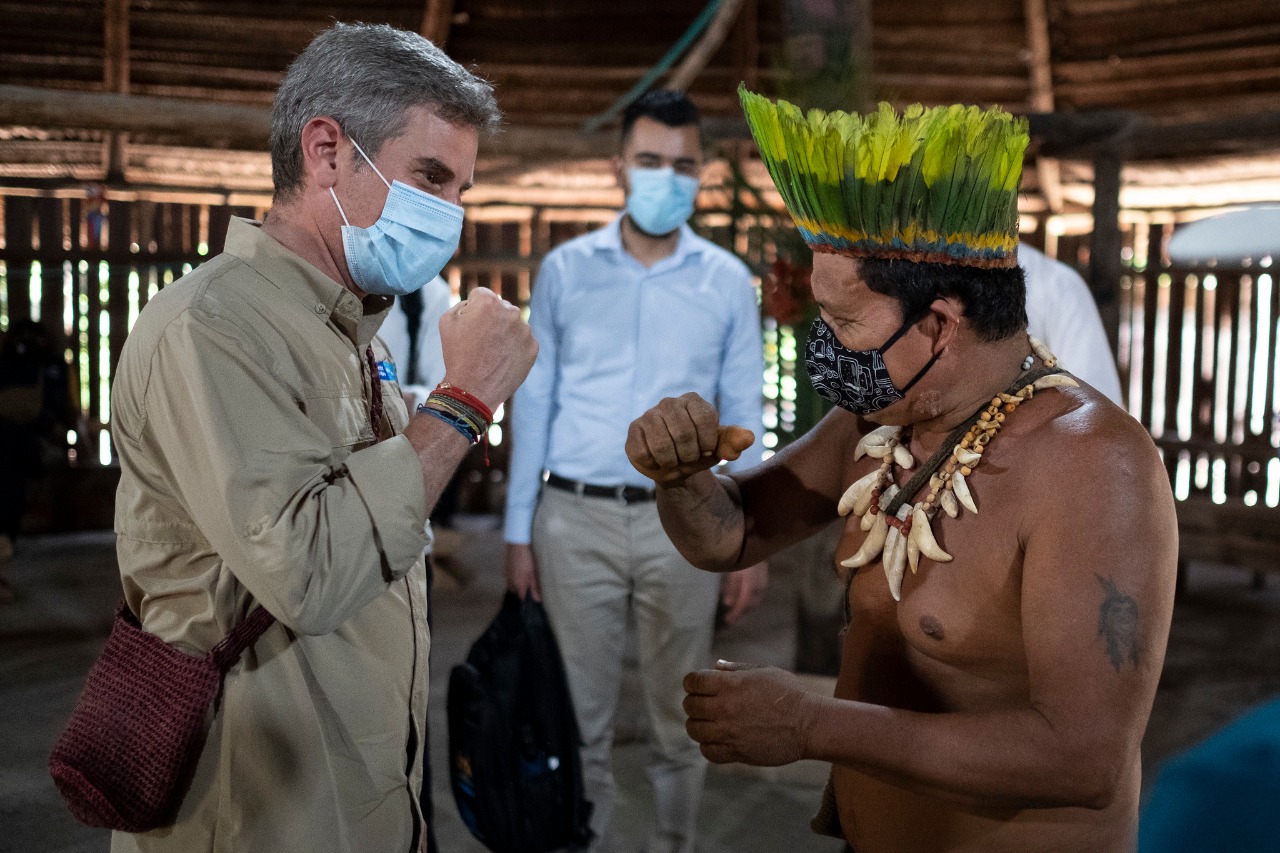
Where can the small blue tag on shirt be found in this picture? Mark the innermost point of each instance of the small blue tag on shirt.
(386, 371)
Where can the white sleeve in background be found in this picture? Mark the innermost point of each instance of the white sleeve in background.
(436, 297)
(394, 332)
(1062, 313)
(395, 335)
(534, 408)
(740, 394)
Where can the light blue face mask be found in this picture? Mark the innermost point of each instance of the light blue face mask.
(660, 200)
(409, 245)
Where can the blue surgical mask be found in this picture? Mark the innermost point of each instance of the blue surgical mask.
(409, 245)
(660, 201)
(855, 380)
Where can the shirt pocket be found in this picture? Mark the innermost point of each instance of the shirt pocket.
(344, 418)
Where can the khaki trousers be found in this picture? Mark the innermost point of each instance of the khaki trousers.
(600, 562)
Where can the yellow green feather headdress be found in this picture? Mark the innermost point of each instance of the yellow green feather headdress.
(930, 185)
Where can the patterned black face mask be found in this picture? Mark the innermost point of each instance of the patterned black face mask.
(855, 380)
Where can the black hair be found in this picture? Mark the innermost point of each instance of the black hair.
(674, 109)
(995, 300)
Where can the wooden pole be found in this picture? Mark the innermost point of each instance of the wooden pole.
(115, 74)
(1040, 66)
(705, 48)
(860, 52)
(748, 53)
(437, 17)
(1104, 248)
(186, 122)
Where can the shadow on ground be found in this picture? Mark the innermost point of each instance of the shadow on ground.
(1224, 656)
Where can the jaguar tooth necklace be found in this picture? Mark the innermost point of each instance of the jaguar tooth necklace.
(900, 533)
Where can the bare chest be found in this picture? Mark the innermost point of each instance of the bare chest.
(957, 629)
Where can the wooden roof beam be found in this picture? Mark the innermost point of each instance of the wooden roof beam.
(247, 127)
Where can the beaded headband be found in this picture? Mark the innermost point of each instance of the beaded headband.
(933, 185)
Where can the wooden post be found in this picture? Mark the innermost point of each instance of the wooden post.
(1104, 248)
(49, 216)
(1040, 66)
(436, 20)
(115, 77)
(860, 51)
(705, 48)
(120, 258)
(18, 213)
(747, 44)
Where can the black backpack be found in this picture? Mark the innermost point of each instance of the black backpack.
(513, 738)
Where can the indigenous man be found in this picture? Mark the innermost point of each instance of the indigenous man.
(267, 457)
(998, 668)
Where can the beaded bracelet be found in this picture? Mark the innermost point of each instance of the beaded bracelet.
(444, 389)
(458, 410)
(464, 412)
(463, 428)
(467, 415)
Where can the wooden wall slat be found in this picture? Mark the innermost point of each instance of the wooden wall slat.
(1150, 304)
(219, 219)
(49, 225)
(1173, 368)
(504, 255)
(1230, 311)
(1201, 409)
(1272, 423)
(18, 214)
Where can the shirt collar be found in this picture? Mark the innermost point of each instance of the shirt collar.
(304, 283)
(609, 239)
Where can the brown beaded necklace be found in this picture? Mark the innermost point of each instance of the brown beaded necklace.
(900, 533)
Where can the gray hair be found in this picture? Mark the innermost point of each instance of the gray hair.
(365, 77)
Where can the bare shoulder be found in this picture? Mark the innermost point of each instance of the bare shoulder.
(1086, 458)
(1074, 432)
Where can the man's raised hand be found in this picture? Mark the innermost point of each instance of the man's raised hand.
(680, 437)
(488, 349)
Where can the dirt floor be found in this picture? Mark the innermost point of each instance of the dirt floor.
(1224, 657)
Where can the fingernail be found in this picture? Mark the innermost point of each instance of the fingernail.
(722, 662)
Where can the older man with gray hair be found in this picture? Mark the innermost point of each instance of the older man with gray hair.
(267, 457)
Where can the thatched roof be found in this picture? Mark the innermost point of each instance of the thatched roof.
(1186, 92)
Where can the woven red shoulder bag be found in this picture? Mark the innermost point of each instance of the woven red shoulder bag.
(126, 757)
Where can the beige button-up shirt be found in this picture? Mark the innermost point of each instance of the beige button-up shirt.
(249, 474)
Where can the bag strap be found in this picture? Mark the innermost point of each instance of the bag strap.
(242, 636)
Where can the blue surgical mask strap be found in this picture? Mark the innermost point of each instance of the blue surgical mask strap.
(370, 162)
(342, 212)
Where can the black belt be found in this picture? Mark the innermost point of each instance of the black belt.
(622, 494)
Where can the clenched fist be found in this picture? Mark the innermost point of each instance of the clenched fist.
(488, 349)
(680, 437)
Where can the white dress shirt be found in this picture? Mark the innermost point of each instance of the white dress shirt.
(1062, 313)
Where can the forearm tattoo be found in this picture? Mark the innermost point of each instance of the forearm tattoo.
(724, 510)
(1118, 624)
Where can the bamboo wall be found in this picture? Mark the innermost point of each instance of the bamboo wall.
(1197, 347)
